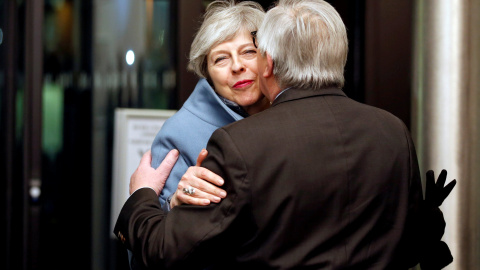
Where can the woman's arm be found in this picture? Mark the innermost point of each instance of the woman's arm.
(204, 182)
(182, 176)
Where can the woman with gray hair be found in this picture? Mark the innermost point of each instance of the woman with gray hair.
(225, 58)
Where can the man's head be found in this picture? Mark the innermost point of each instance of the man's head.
(306, 44)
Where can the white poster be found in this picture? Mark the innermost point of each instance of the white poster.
(135, 130)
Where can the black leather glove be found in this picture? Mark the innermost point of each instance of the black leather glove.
(436, 254)
(435, 194)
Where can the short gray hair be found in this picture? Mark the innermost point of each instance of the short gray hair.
(223, 20)
(307, 41)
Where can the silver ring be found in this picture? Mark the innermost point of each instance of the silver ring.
(189, 190)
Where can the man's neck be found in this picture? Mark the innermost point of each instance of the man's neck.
(273, 90)
(261, 105)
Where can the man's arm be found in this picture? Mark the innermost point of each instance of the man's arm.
(142, 177)
(412, 234)
(425, 222)
(189, 236)
(436, 254)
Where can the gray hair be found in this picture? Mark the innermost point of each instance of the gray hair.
(223, 20)
(307, 41)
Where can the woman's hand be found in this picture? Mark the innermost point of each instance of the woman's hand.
(203, 181)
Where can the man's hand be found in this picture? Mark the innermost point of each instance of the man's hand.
(203, 181)
(435, 253)
(146, 176)
(435, 194)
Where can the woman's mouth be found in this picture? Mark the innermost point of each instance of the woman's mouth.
(241, 84)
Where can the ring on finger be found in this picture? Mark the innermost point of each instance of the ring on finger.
(189, 190)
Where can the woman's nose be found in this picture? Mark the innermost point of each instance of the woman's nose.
(237, 66)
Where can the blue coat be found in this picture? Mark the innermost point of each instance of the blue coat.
(188, 131)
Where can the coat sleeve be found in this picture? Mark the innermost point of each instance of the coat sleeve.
(413, 228)
(425, 225)
(191, 237)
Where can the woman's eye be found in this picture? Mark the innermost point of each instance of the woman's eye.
(219, 59)
(250, 52)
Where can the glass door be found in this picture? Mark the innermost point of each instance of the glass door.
(14, 236)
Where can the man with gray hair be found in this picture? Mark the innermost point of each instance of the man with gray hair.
(318, 181)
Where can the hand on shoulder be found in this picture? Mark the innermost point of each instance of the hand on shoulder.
(146, 176)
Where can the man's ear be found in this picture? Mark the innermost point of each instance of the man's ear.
(268, 72)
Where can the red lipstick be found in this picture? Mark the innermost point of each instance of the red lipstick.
(241, 84)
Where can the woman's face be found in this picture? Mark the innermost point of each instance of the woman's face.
(232, 66)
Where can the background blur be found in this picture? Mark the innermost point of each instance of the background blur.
(64, 69)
